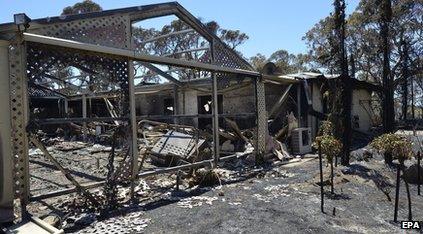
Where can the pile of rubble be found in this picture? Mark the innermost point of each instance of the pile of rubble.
(161, 146)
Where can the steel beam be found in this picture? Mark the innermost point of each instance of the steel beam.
(77, 120)
(215, 111)
(162, 73)
(6, 158)
(84, 115)
(186, 51)
(165, 35)
(299, 105)
(134, 126)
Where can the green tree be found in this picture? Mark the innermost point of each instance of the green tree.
(85, 6)
(258, 61)
(285, 62)
(233, 38)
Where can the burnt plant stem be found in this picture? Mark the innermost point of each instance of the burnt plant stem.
(321, 180)
(397, 187)
(388, 158)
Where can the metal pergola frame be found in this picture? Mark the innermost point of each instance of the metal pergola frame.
(19, 97)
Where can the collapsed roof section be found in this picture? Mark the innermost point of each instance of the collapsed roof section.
(319, 77)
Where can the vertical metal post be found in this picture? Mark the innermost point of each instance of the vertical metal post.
(215, 111)
(183, 102)
(261, 120)
(66, 107)
(175, 103)
(6, 158)
(84, 115)
(299, 104)
(134, 145)
(256, 139)
(20, 115)
(90, 108)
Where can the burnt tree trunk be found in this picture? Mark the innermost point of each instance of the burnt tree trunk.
(404, 73)
(346, 91)
(388, 89)
(412, 100)
(331, 178)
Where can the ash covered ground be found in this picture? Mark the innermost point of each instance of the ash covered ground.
(273, 199)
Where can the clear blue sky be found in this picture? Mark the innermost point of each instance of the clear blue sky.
(270, 24)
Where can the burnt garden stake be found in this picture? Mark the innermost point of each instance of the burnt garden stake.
(327, 144)
(394, 146)
(407, 188)
(397, 187)
(418, 173)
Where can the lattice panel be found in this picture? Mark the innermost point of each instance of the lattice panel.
(125, 171)
(261, 117)
(107, 74)
(226, 58)
(107, 31)
(19, 105)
